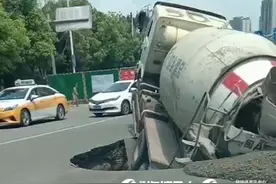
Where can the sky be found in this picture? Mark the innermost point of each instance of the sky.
(228, 8)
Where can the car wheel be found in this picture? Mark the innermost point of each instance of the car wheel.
(125, 108)
(98, 114)
(60, 112)
(25, 117)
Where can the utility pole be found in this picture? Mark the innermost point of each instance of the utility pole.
(132, 27)
(52, 56)
(72, 46)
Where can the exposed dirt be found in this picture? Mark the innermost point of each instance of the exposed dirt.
(110, 157)
(260, 166)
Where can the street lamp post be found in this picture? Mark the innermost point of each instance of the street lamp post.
(72, 46)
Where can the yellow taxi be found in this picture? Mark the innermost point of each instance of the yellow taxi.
(28, 102)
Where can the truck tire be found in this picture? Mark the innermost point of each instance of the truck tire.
(140, 152)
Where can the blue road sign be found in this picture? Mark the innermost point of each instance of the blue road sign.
(259, 33)
(274, 34)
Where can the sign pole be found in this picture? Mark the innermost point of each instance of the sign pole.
(72, 52)
(73, 18)
(72, 46)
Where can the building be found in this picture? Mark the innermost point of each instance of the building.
(236, 23)
(246, 25)
(267, 20)
(241, 24)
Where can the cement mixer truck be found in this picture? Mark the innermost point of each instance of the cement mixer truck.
(204, 91)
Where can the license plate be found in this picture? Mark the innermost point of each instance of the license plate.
(97, 107)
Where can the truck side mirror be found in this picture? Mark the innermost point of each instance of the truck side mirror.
(142, 20)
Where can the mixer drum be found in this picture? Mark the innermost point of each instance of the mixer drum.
(220, 61)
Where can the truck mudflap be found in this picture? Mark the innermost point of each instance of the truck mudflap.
(155, 148)
(130, 144)
(162, 144)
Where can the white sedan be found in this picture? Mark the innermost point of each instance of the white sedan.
(115, 99)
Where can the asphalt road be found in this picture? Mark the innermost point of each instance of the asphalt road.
(41, 152)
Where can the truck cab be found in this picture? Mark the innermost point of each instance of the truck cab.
(169, 22)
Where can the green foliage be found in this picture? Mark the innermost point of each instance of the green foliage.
(19, 7)
(27, 40)
(42, 42)
(108, 45)
(13, 40)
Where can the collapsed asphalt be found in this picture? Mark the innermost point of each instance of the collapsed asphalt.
(111, 157)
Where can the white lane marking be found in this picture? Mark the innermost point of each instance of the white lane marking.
(57, 131)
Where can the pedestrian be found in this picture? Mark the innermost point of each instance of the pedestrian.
(76, 95)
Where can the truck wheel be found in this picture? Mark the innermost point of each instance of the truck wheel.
(125, 108)
(25, 117)
(140, 152)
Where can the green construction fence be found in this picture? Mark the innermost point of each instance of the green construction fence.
(65, 83)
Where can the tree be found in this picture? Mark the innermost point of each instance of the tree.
(63, 55)
(13, 41)
(42, 46)
(27, 41)
(19, 7)
(36, 55)
(108, 45)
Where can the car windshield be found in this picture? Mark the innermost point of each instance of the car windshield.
(13, 94)
(117, 87)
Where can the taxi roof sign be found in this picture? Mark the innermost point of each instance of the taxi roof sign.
(26, 82)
